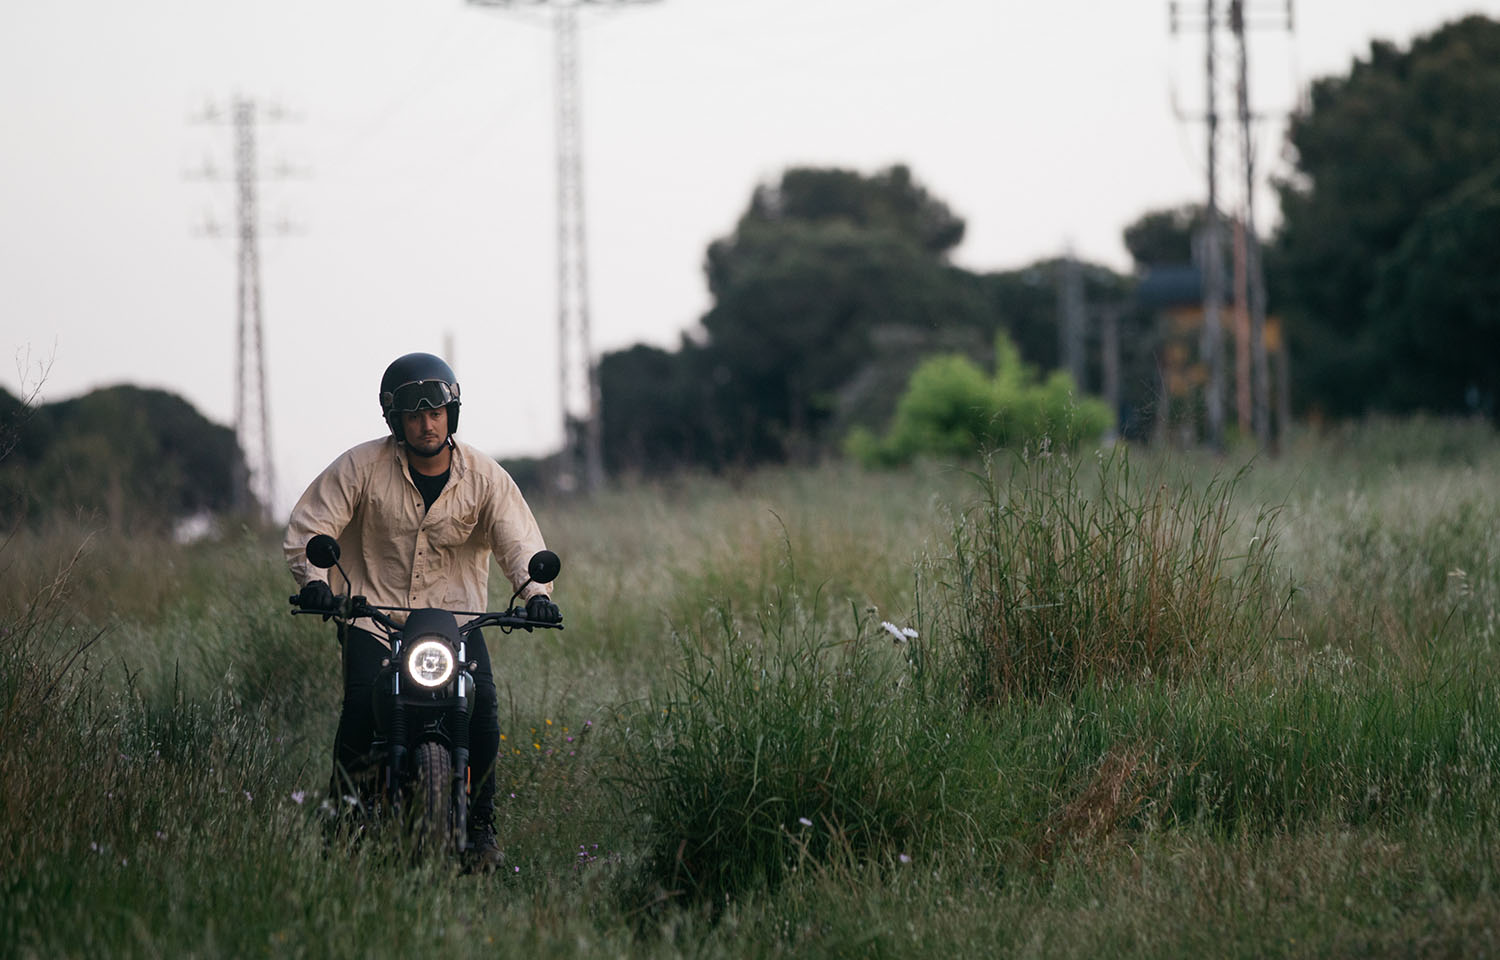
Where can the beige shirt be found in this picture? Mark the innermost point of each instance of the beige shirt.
(396, 553)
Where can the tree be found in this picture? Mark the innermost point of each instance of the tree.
(662, 410)
(1437, 303)
(1024, 304)
(830, 290)
(889, 200)
(133, 455)
(820, 267)
(1375, 152)
(796, 305)
(1162, 237)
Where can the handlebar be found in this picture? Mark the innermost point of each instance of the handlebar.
(513, 619)
(349, 608)
(352, 608)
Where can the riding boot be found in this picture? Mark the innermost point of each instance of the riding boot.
(484, 852)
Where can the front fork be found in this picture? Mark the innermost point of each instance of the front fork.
(460, 740)
(458, 736)
(396, 759)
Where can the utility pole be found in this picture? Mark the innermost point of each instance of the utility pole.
(1213, 279)
(252, 414)
(574, 338)
(1072, 319)
(1109, 349)
(1211, 343)
(1243, 403)
(1255, 285)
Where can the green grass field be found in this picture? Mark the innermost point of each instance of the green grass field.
(1154, 706)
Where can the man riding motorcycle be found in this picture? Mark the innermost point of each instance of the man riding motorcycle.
(418, 514)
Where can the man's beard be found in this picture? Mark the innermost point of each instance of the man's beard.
(431, 449)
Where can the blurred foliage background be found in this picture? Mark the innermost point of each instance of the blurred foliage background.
(840, 323)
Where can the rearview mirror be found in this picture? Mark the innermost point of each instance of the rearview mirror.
(543, 568)
(323, 551)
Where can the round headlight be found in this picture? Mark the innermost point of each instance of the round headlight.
(430, 663)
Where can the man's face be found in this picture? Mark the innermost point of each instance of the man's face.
(426, 430)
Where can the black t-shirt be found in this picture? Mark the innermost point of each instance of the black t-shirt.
(430, 487)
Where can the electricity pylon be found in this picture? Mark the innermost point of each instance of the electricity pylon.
(252, 415)
(574, 338)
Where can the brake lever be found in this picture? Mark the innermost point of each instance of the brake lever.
(348, 607)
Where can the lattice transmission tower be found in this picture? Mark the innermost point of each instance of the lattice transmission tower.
(578, 368)
(252, 413)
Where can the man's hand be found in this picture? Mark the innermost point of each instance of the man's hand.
(318, 596)
(541, 609)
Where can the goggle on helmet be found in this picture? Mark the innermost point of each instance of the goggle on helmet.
(419, 395)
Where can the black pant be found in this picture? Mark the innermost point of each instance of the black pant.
(351, 746)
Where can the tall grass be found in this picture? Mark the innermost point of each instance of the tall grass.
(1172, 761)
(1075, 571)
(781, 741)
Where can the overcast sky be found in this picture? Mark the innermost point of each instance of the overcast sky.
(425, 128)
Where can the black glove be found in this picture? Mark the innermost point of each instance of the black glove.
(317, 596)
(541, 609)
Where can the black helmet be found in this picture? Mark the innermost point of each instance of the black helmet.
(414, 382)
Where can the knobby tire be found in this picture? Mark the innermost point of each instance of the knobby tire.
(432, 805)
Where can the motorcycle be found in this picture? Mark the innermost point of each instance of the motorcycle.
(423, 699)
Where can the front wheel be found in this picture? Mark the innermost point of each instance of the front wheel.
(432, 806)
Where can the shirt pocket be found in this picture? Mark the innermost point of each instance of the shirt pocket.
(452, 532)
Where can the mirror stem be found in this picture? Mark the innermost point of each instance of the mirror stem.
(348, 584)
(529, 582)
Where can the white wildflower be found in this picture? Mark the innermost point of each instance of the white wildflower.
(899, 634)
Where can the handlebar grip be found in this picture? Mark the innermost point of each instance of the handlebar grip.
(295, 599)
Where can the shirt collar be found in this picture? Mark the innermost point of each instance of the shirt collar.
(456, 467)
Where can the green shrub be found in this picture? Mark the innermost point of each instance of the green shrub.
(1051, 584)
(951, 408)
